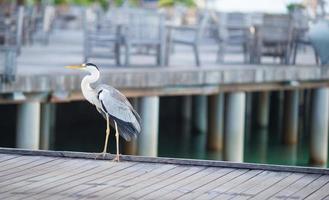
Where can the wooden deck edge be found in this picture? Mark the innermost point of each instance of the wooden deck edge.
(163, 160)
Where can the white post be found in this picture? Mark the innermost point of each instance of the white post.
(215, 122)
(290, 117)
(148, 139)
(47, 126)
(28, 125)
(319, 126)
(234, 126)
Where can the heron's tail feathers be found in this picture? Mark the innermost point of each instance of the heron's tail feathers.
(127, 130)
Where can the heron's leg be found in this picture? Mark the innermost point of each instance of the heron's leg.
(103, 153)
(117, 157)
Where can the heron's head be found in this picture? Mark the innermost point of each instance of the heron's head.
(90, 67)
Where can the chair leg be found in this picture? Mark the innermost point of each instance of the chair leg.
(117, 54)
(127, 58)
(158, 55)
(295, 49)
(196, 53)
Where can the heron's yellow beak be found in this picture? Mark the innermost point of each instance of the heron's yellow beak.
(76, 66)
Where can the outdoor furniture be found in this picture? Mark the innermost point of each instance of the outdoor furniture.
(233, 32)
(101, 38)
(273, 38)
(187, 35)
(145, 29)
(7, 63)
(319, 38)
(11, 29)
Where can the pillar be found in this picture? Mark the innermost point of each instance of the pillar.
(263, 109)
(47, 126)
(234, 126)
(290, 117)
(215, 122)
(186, 108)
(200, 113)
(148, 139)
(28, 125)
(319, 126)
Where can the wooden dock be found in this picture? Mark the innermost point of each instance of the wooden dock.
(71, 175)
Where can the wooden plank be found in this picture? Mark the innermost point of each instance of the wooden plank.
(113, 183)
(62, 178)
(165, 182)
(159, 193)
(213, 193)
(192, 162)
(113, 190)
(254, 182)
(193, 185)
(5, 157)
(321, 193)
(89, 180)
(14, 163)
(150, 182)
(264, 192)
(311, 188)
(296, 186)
(71, 170)
(27, 176)
(203, 190)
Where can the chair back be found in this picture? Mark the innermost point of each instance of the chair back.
(144, 26)
(276, 28)
(202, 25)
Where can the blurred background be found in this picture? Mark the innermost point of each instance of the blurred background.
(235, 80)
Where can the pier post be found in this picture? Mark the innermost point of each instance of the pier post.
(186, 108)
(263, 109)
(215, 122)
(28, 125)
(319, 126)
(290, 117)
(200, 114)
(47, 126)
(234, 126)
(148, 139)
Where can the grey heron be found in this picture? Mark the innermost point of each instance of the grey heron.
(112, 104)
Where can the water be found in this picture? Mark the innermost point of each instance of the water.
(79, 127)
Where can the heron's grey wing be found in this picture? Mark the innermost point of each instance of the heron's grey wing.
(118, 106)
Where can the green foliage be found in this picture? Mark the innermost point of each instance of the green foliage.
(292, 6)
(170, 3)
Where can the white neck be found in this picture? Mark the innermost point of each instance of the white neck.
(87, 90)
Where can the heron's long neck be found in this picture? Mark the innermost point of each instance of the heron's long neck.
(87, 90)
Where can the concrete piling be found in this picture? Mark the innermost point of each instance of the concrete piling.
(290, 117)
(28, 125)
(234, 126)
(319, 127)
(148, 139)
(215, 122)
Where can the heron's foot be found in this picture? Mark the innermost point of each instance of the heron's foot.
(117, 158)
(100, 155)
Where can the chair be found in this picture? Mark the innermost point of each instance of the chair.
(273, 38)
(145, 29)
(233, 31)
(319, 38)
(188, 35)
(8, 63)
(101, 38)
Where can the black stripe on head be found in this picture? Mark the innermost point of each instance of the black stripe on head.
(91, 64)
